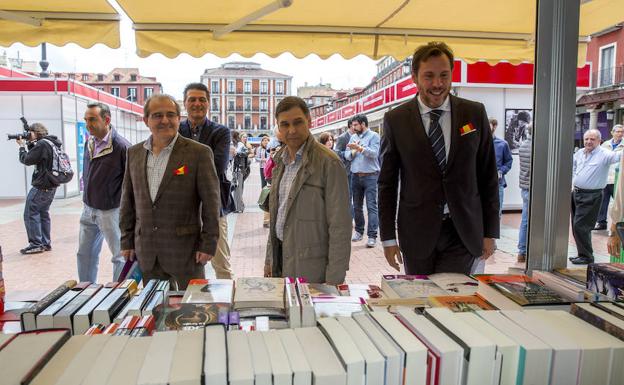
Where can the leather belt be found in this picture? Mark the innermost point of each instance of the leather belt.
(582, 190)
(365, 173)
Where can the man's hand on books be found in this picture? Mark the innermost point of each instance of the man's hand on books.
(489, 246)
(202, 258)
(393, 256)
(128, 254)
(613, 245)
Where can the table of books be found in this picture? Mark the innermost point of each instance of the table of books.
(437, 329)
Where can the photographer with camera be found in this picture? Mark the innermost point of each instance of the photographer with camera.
(36, 150)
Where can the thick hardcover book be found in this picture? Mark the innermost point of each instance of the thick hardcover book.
(308, 315)
(45, 319)
(374, 361)
(29, 317)
(105, 362)
(157, 364)
(259, 292)
(280, 367)
(24, 355)
(346, 348)
(461, 303)
(106, 311)
(54, 369)
(522, 290)
(130, 361)
(326, 366)
(156, 299)
(187, 363)
(293, 306)
(63, 319)
(209, 291)
(215, 355)
(196, 315)
(409, 286)
(301, 370)
(240, 364)
(597, 316)
(606, 279)
(82, 318)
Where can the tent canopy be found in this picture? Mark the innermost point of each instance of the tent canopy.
(490, 30)
(84, 22)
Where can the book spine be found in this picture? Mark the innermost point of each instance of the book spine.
(28, 318)
(308, 316)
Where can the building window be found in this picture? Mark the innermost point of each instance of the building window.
(231, 87)
(215, 118)
(279, 87)
(247, 122)
(231, 122)
(115, 91)
(263, 123)
(264, 87)
(147, 92)
(214, 105)
(607, 65)
(247, 104)
(85, 77)
(231, 104)
(117, 77)
(100, 77)
(132, 94)
(247, 86)
(263, 105)
(215, 86)
(133, 78)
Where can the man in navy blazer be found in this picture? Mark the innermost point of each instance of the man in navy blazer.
(439, 147)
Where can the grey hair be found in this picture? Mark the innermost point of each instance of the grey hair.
(595, 131)
(617, 126)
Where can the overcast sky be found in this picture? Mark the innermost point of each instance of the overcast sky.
(174, 74)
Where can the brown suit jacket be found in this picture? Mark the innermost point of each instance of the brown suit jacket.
(183, 218)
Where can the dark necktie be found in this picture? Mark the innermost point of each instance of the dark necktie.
(437, 139)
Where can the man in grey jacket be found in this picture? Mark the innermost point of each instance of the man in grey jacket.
(310, 223)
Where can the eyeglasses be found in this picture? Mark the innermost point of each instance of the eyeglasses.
(160, 115)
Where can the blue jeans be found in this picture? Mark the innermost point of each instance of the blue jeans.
(37, 216)
(365, 186)
(524, 222)
(96, 226)
(501, 195)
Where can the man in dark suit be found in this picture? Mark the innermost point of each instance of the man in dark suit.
(440, 148)
(216, 136)
(169, 216)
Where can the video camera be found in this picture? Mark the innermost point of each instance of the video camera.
(24, 134)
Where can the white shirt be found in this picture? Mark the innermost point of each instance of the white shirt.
(590, 170)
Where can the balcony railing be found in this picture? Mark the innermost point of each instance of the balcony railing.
(607, 77)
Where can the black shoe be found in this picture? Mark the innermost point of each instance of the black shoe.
(47, 248)
(32, 250)
(600, 226)
(582, 260)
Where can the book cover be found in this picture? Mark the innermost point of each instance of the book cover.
(606, 279)
(191, 315)
(362, 290)
(461, 303)
(209, 291)
(28, 317)
(409, 286)
(455, 283)
(522, 290)
(131, 270)
(259, 292)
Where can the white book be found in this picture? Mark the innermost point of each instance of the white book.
(63, 318)
(448, 354)
(455, 283)
(55, 368)
(308, 314)
(157, 364)
(293, 307)
(141, 298)
(325, 365)
(156, 299)
(45, 319)
(130, 362)
(535, 355)
(390, 350)
(480, 350)
(415, 368)
(374, 361)
(105, 362)
(302, 373)
(125, 311)
(593, 336)
(82, 363)
(347, 350)
(240, 363)
(596, 354)
(215, 355)
(82, 319)
(259, 292)
(260, 358)
(496, 298)
(186, 368)
(508, 348)
(566, 353)
(280, 367)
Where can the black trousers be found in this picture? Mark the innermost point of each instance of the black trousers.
(449, 255)
(585, 207)
(607, 194)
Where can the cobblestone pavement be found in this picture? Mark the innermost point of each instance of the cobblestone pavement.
(247, 240)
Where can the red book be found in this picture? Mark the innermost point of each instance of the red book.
(95, 329)
(110, 329)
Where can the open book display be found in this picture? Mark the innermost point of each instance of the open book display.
(199, 336)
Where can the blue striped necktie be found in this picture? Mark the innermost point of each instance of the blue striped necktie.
(437, 139)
